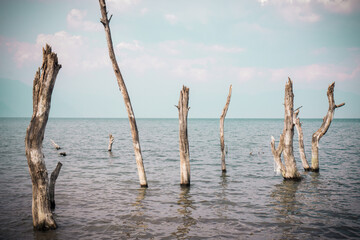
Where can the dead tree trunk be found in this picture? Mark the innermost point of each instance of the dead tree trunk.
(183, 137)
(222, 141)
(54, 175)
(57, 147)
(277, 153)
(291, 169)
(323, 129)
(111, 141)
(134, 131)
(44, 82)
(301, 141)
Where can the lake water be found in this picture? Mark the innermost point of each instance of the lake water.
(98, 194)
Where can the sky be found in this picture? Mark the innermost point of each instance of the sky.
(161, 45)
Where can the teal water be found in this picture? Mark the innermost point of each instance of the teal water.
(98, 194)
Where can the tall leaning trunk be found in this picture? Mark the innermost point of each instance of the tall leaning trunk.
(288, 133)
(323, 129)
(222, 141)
(134, 131)
(44, 82)
(183, 108)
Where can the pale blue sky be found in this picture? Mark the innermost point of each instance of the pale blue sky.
(206, 45)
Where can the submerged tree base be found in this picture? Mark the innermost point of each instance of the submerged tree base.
(184, 185)
(295, 179)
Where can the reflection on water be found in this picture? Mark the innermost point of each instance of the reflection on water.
(287, 207)
(186, 206)
(223, 206)
(139, 212)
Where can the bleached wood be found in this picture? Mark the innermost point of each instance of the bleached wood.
(301, 141)
(54, 175)
(57, 147)
(222, 140)
(277, 154)
(134, 131)
(43, 85)
(183, 108)
(288, 133)
(111, 141)
(324, 128)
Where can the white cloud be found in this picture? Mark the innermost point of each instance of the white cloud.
(171, 18)
(75, 20)
(134, 46)
(310, 10)
(121, 5)
(341, 6)
(143, 11)
(74, 52)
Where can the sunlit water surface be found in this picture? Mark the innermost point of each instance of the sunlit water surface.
(98, 194)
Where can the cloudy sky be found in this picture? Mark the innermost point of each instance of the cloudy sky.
(204, 44)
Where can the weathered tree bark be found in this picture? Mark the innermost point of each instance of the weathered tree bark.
(323, 129)
(222, 141)
(57, 147)
(277, 153)
(183, 137)
(134, 131)
(111, 141)
(42, 90)
(54, 175)
(301, 141)
(288, 133)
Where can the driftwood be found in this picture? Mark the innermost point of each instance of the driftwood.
(289, 169)
(111, 141)
(222, 141)
(301, 140)
(134, 131)
(54, 175)
(183, 137)
(57, 147)
(323, 129)
(44, 82)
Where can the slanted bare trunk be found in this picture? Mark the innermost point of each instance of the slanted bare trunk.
(301, 141)
(277, 154)
(111, 141)
(288, 133)
(134, 131)
(222, 141)
(323, 129)
(54, 175)
(44, 82)
(57, 147)
(183, 108)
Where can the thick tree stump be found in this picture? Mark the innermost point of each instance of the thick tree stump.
(134, 131)
(288, 133)
(54, 175)
(111, 141)
(323, 129)
(222, 141)
(183, 108)
(44, 82)
(301, 141)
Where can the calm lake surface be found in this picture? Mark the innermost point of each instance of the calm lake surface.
(98, 194)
